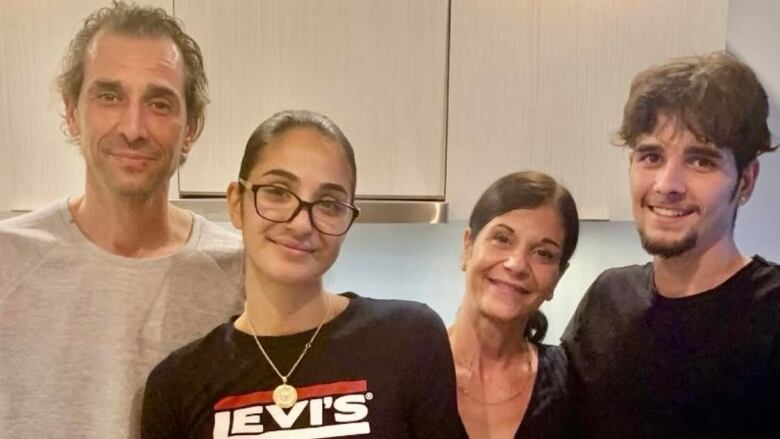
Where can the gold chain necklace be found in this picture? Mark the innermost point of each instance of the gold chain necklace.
(529, 365)
(285, 395)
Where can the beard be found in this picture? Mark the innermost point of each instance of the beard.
(668, 250)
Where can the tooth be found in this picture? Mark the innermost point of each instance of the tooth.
(669, 212)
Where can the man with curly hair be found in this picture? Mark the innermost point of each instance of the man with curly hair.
(687, 346)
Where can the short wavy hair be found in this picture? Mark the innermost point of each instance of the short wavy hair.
(715, 96)
(142, 21)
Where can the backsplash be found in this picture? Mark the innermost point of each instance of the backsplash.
(422, 262)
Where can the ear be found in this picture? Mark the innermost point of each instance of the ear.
(71, 118)
(189, 136)
(748, 181)
(468, 246)
(235, 206)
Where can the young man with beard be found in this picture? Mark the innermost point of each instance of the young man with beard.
(687, 346)
(96, 289)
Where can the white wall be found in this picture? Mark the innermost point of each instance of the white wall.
(754, 36)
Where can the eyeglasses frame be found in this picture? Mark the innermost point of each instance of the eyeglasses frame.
(302, 204)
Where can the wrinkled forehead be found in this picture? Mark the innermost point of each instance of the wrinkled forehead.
(113, 52)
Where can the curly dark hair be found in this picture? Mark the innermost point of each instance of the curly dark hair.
(715, 96)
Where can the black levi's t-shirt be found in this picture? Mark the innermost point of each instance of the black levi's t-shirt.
(381, 369)
(704, 366)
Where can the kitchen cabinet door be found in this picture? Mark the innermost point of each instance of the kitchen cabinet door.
(377, 68)
(37, 164)
(540, 84)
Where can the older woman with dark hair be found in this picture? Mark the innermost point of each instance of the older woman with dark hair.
(521, 235)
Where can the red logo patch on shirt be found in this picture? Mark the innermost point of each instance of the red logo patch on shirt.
(255, 416)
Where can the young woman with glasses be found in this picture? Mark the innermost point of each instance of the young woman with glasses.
(301, 362)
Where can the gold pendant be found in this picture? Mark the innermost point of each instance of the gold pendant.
(285, 396)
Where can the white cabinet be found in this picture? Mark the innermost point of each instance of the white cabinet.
(37, 164)
(540, 84)
(377, 68)
(504, 85)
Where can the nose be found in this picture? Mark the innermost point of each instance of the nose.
(670, 179)
(132, 124)
(517, 263)
(302, 221)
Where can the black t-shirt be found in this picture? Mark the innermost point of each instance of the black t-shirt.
(548, 415)
(703, 366)
(381, 369)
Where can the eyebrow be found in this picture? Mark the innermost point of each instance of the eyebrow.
(334, 187)
(294, 178)
(105, 84)
(544, 240)
(282, 173)
(647, 147)
(154, 91)
(714, 153)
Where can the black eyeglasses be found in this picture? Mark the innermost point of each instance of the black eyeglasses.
(280, 205)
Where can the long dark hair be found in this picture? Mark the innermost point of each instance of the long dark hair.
(528, 190)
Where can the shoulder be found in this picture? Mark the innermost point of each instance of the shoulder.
(553, 366)
(553, 361)
(551, 354)
(224, 247)
(615, 297)
(46, 224)
(401, 325)
(765, 279)
(404, 313)
(621, 284)
(766, 270)
(25, 240)
(215, 239)
(628, 276)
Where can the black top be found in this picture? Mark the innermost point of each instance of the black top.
(703, 366)
(381, 369)
(548, 414)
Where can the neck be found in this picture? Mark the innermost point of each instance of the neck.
(695, 272)
(131, 226)
(482, 343)
(279, 309)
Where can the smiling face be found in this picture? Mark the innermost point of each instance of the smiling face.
(513, 264)
(315, 168)
(685, 192)
(131, 116)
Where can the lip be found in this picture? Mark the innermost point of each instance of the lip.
(132, 157)
(507, 285)
(293, 247)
